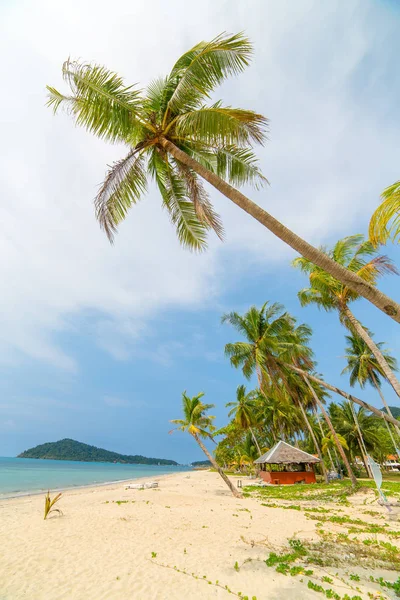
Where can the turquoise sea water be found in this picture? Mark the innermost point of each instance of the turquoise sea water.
(24, 475)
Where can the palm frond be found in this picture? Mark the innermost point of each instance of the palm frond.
(100, 102)
(385, 222)
(191, 231)
(219, 125)
(123, 186)
(205, 66)
(201, 203)
(239, 166)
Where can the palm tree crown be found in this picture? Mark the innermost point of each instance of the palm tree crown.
(195, 421)
(243, 408)
(172, 108)
(352, 252)
(362, 364)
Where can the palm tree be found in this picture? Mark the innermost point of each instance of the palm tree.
(243, 411)
(264, 328)
(328, 293)
(199, 424)
(364, 368)
(175, 138)
(380, 230)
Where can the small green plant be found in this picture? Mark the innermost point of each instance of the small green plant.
(354, 577)
(327, 579)
(236, 567)
(49, 503)
(154, 555)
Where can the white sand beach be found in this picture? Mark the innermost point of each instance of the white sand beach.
(102, 550)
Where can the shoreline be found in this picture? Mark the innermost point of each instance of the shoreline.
(88, 486)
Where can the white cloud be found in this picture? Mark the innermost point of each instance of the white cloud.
(332, 150)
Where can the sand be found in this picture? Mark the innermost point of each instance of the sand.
(101, 550)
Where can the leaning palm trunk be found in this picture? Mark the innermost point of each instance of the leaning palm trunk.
(333, 432)
(217, 467)
(255, 441)
(317, 257)
(396, 427)
(323, 435)
(332, 388)
(361, 443)
(359, 329)
(315, 442)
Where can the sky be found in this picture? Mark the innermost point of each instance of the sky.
(97, 342)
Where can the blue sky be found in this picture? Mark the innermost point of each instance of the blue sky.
(97, 342)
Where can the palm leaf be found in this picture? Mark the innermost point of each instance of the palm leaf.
(191, 232)
(219, 125)
(380, 229)
(201, 203)
(100, 102)
(123, 186)
(205, 66)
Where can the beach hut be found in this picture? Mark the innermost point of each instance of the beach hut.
(293, 465)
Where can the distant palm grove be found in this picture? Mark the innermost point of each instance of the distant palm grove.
(178, 139)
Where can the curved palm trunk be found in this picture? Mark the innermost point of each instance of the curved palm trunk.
(350, 397)
(390, 376)
(385, 404)
(397, 430)
(317, 257)
(323, 435)
(315, 442)
(255, 441)
(332, 430)
(361, 443)
(217, 467)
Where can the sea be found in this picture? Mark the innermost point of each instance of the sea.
(21, 476)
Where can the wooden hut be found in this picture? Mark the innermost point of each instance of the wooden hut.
(293, 465)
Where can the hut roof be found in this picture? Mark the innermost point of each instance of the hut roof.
(283, 454)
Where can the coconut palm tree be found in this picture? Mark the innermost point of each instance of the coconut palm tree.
(176, 139)
(199, 424)
(385, 222)
(326, 292)
(243, 411)
(363, 368)
(266, 333)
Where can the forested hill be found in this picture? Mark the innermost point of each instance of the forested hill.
(395, 410)
(72, 450)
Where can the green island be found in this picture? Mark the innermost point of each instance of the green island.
(72, 450)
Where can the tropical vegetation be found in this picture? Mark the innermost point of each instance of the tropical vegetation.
(288, 402)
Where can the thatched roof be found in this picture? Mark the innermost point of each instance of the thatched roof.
(284, 454)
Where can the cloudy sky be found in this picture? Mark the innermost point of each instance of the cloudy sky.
(98, 342)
